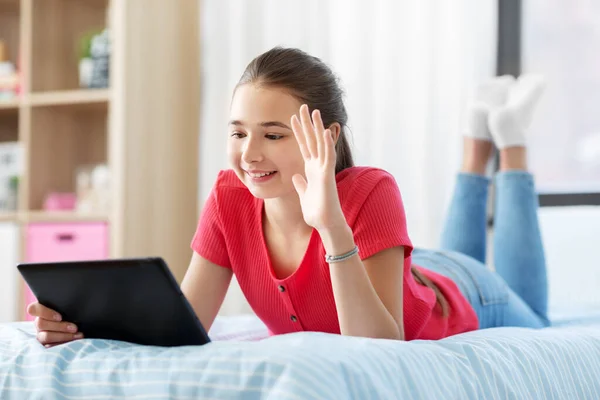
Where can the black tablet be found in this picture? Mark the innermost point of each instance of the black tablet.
(133, 300)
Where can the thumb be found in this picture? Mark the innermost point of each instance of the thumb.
(299, 184)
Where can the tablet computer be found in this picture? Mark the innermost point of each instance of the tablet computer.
(133, 300)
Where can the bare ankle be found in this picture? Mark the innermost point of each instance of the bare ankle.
(476, 155)
(513, 158)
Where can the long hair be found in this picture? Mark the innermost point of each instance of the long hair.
(313, 83)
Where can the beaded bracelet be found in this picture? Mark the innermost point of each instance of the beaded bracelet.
(334, 259)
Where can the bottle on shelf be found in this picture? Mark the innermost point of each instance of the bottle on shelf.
(94, 60)
(9, 76)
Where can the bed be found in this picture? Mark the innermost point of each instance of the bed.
(561, 362)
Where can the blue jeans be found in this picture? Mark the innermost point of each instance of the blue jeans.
(516, 294)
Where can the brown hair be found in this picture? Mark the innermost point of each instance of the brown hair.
(312, 82)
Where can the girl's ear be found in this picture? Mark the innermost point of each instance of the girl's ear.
(335, 129)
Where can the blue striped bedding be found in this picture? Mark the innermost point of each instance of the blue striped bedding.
(560, 363)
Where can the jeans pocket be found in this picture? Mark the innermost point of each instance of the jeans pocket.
(490, 287)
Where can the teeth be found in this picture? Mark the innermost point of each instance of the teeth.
(261, 175)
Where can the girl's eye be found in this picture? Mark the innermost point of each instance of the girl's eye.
(273, 136)
(237, 135)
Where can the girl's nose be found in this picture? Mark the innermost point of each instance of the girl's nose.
(251, 152)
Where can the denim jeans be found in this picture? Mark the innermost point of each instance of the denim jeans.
(516, 294)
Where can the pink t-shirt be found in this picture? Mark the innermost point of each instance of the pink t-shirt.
(230, 234)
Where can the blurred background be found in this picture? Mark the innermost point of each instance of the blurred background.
(113, 117)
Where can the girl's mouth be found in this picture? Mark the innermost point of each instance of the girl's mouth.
(261, 177)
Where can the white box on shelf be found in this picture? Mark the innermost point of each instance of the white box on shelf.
(10, 159)
(10, 170)
(9, 257)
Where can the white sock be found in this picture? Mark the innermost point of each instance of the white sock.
(509, 123)
(489, 95)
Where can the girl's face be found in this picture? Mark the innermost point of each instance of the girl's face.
(262, 148)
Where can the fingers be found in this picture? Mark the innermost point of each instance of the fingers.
(52, 332)
(309, 131)
(43, 312)
(46, 337)
(329, 148)
(299, 133)
(50, 329)
(319, 131)
(46, 325)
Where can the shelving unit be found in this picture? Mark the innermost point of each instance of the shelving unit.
(144, 126)
(69, 97)
(6, 216)
(11, 105)
(9, 122)
(56, 98)
(10, 20)
(25, 217)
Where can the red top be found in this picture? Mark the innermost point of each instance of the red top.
(230, 234)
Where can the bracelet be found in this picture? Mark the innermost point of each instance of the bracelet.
(335, 259)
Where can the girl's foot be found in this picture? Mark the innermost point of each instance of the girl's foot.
(477, 141)
(509, 123)
(489, 96)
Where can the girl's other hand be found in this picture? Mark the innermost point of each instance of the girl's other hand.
(51, 329)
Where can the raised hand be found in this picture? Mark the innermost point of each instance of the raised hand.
(317, 188)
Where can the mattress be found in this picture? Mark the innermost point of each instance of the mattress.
(243, 363)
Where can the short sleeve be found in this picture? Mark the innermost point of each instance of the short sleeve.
(381, 221)
(209, 240)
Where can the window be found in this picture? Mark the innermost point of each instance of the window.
(561, 40)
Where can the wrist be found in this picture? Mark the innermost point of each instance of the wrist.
(338, 240)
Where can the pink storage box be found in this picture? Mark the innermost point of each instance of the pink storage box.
(60, 202)
(65, 242)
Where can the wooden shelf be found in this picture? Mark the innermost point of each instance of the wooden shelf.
(7, 216)
(10, 105)
(60, 216)
(59, 97)
(65, 97)
(26, 217)
(9, 4)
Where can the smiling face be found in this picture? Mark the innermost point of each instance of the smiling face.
(262, 148)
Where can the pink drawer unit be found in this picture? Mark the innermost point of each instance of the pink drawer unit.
(65, 242)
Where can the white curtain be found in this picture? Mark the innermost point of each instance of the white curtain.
(407, 68)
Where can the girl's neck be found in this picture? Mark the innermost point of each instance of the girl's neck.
(284, 214)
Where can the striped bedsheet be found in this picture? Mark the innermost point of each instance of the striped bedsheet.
(500, 363)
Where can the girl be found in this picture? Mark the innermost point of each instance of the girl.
(318, 244)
